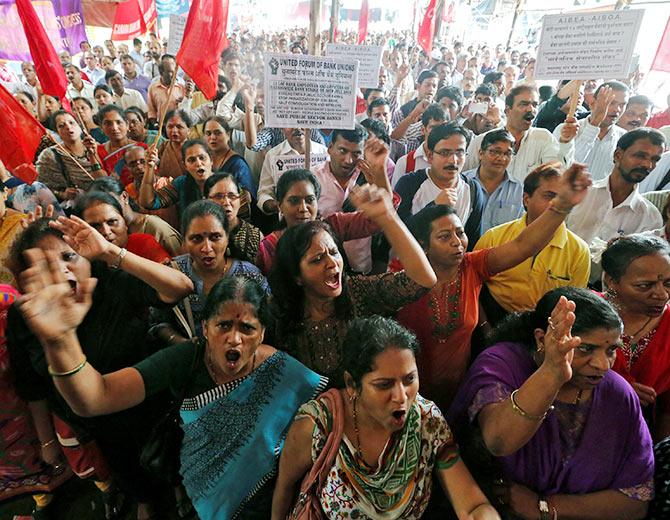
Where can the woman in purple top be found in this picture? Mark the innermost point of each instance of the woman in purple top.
(554, 431)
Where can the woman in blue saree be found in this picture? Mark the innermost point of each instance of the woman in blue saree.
(240, 395)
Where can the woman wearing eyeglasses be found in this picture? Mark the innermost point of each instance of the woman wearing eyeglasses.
(244, 238)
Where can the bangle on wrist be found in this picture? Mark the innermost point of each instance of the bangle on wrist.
(67, 373)
(543, 506)
(47, 444)
(525, 414)
(119, 258)
(96, 167)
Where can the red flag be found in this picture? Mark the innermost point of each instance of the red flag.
(133, 18)
(20, 137)
(662, 59)
(363, 22)
(427, 28)
(47, 65)
(449, 15)
(204, 41)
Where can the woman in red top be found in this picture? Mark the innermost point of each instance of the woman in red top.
(637, 276)
(445, 318)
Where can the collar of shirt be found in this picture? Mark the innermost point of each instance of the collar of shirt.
(420, 152)
(324, 170)
(633, 200)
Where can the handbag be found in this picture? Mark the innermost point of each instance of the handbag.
(159, 455)
(308, 506)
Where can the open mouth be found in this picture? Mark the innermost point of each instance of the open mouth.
(200, 171)
(333, 281)
(208, 261)
(399, 417)
(232, 356)
(594, 380)
(529, 116)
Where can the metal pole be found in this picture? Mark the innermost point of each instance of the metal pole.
(334, 19)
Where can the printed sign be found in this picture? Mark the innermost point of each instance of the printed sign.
(587, 45)
(177, 26)
(369, 60)
(310, 91)
(284, 163)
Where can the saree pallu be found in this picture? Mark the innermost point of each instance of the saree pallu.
(233, 434)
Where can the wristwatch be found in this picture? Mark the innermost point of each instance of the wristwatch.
(119, 259)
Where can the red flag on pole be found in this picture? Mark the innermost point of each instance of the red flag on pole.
(20, 137)
(47, 65)
(662, 59)
(204, 41)
(363, 22)
(427, 28)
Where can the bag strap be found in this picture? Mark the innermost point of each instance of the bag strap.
(325, 460)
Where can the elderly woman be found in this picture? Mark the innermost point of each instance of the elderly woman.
(637, 276)
(244, 238)
(298, 193)
(393, 441)
(315, 299)
(137, 127)
(205, 262)
(114, 334)
(183, 190)
(103, 213)
(239, 394)
(557, 433)
(176, 128)
(58, 170)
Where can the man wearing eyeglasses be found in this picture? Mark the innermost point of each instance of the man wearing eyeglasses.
(503, 194)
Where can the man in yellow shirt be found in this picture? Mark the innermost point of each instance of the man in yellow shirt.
(563, 261)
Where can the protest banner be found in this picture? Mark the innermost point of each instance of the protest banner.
(587, 45)
(13, 43)
(177, 27)
(369, 60)
(310, 91)
(70, 18)
(284, 163)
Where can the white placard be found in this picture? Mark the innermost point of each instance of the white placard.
(284, 163)
(310, 91)
(177, 26)
(587, 45)
(369, 60)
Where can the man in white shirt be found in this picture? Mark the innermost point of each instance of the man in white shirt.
(598, 134)
(271, 171)
(533, 146)
(78, 87)
(92, 70)
(124, 97)
(614, 207)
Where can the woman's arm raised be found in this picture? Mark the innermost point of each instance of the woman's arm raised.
(377, 205)
(575, 182)
(53, 312)
(170, 284)
(509, 425)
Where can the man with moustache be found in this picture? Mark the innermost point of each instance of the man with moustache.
(442, 182)
(598, 134)
(637, 113)
(614, 207)
(533, 146)
(293, 144)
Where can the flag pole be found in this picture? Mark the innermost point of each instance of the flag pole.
(314, 43)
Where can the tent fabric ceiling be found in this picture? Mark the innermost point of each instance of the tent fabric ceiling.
(99, 12)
